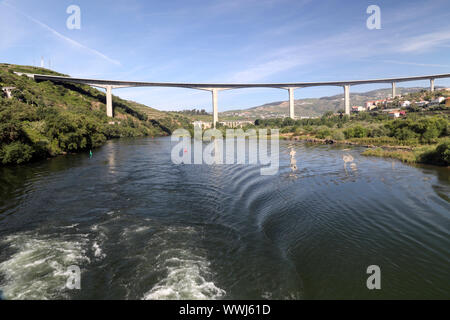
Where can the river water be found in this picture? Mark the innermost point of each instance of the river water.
(140, 227)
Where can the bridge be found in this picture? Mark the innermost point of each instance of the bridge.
(214, 88)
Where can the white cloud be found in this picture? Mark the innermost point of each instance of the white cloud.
(351, 44)
(266, 69)
(417, 64)
(425, 41)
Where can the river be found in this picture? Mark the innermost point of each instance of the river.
(140, 227)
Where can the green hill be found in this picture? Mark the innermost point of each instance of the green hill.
(45, 119)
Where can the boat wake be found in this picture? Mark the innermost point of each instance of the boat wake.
(38, 268)
(187, 278)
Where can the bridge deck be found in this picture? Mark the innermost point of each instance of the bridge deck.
(119, 83)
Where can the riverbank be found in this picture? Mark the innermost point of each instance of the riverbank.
(417, 137)
(435, 154)
(41, 120)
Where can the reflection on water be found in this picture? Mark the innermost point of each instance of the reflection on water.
(293, 161)
(349, 159)
(141, 227)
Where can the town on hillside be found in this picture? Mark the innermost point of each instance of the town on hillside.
(395, 107)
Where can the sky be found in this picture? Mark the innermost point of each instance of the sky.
(237, 41)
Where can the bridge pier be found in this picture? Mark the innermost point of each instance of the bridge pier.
(215, 107)
(109, 106)
(347, 99)
(291, 103)
(214, 88)
(393, 90)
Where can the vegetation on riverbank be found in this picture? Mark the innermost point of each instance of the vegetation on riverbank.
(43, 119)
(416, 138)
(437, 155)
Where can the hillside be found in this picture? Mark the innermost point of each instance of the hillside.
(312, 107)
(44, 119)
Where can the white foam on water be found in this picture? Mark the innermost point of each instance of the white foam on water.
(143, 228)
(70, 227)
(131, 231)
(186, 278)
(38, 268)
(98, 253)
(99, 240)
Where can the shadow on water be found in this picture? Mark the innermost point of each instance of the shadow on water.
(442, 187)
(18, 181)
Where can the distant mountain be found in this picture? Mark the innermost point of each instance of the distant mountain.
(312, 107)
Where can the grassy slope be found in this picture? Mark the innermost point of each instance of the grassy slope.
(46, 119)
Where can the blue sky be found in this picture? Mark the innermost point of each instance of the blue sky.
(229, 41)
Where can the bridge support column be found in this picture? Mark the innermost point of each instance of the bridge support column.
(393, 90)
(109, 106)
(215, 107)
(432, 85)
(291, 103)
(347, 99)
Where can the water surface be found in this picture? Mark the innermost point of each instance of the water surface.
(140, 227)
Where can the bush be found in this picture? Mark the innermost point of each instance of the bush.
(443, 152)
(405, 134)
(16, 153)
(379, 132)
(338, 135)
(356, 132)
(439, 156)
(98, 140)
(323, 133)
(427, 130)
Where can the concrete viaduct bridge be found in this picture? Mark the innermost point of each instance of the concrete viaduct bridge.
(214, 88)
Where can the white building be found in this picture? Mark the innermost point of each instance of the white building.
(202, 124)
(236, 124)
(358, 109)
(422, 103)
(406, 104)
(394, 114)
(8, 91)
(437, 100)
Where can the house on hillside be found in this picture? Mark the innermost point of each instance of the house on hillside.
(202, 124)
(397, 113)
(437, 101)
(358, 109)
(235, 124)
(370, 105)
(8, 91)
(405, 104)
(422, 103)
